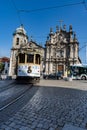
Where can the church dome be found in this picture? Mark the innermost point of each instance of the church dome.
(20, 30)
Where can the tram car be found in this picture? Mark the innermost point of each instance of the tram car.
(28, 66)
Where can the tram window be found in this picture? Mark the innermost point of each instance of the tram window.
(30, 58)
(21, 58)
(37, 60)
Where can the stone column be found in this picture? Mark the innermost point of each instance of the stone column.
(71, 51)
(10, 67)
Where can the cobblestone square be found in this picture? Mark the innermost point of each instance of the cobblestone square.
(54, 104)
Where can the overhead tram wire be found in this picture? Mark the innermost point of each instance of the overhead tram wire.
(82, 47)
(18, 13)
(84, 3)
(52, 7)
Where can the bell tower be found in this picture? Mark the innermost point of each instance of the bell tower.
(19, 37)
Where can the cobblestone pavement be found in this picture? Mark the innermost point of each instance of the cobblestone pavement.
(4, 83)
(54, 104)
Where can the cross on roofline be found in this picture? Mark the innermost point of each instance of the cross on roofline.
(60, 21)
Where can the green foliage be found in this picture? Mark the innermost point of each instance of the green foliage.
(1, 67)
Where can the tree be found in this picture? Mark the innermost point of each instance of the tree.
(1, 67)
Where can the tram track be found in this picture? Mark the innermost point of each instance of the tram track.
(3, 88)
(11, 108)
(14, 98)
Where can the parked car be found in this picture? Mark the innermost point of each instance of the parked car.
(52, 76)
(49, 76)
(57, 75)
(46, 76)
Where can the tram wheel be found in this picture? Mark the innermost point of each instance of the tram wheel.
(83, 78)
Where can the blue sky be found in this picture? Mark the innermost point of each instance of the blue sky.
(38, 23)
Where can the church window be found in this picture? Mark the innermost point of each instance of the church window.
(62, 53)
(24, 41)
(6, 71)
(17, 41)
(58, 53)
(68, 51)
(8, 64)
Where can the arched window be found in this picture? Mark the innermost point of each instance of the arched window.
(24, 41)
(17, 41)
(68, 51)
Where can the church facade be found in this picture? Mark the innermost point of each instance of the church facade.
(61, 50)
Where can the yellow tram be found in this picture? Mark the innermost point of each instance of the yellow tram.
(28, 66)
